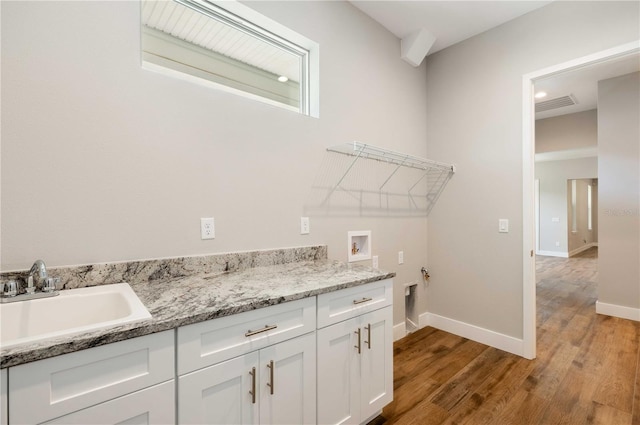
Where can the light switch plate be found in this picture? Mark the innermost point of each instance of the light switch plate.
(374, 262)
(503, 225)
(400, 257)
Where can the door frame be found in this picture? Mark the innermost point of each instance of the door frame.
(528, 177)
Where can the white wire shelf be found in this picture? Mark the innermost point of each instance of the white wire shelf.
(362, 150)
(369, 180)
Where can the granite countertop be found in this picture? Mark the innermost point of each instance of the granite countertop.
(178, 301)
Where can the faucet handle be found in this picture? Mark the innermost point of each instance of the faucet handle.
(49, 284)
(30, 288)
(10, 288)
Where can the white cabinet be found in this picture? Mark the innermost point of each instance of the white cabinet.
(272, 382)
(220, 394)
(325, 359)
(151, 406)
(55, 387)
(355, 365)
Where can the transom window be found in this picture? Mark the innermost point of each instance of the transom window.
(200, 41)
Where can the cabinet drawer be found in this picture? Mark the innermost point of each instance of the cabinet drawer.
(341, 305)
(57, 386)
(207, 343)
(154, 405)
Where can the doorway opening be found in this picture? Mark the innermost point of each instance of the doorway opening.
(530, 229)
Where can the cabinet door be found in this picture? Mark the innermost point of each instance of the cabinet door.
(376, 370)
(288, 382)
(339, 374)
(220, 394)
(154, 405)
(64, 384)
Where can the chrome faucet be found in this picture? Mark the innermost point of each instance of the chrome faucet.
(39, 271)
(37, 276)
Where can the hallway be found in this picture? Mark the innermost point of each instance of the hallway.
(586, 370)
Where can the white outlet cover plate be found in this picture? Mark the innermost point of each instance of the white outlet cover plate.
(207, 228)
(304, 226)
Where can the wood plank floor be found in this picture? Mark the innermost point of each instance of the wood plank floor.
(586, 370)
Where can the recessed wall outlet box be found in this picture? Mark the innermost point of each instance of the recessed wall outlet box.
(207, 228)
(304, 226)
(359, 247)
(374, 262)
(555, 219)
(503, 225)
(400, 257)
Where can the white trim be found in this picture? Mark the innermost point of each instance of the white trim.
(618, 311)
(528, 156)
(399, 331)
(582, 248)
(561, 254)
(475, 333)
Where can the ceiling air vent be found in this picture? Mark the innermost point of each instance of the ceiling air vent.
(558, 102)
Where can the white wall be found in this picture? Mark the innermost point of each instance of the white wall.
(474, 119)
(619, 192)
(103, 161)
(562, 133)
(565, 132)
(555, 201)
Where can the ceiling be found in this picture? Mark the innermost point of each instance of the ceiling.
(582, 84)
(449, 21)
(454, 21)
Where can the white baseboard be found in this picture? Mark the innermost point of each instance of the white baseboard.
(582, 248)
(484, 336)
(553, 254)
(618, 311)
(399, 331)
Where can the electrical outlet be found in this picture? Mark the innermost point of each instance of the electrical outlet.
(304, 225)
(374, 261)
(557, 243)
(207, 228)
(400, 257)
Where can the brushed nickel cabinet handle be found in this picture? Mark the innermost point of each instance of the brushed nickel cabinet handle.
(368, 341)
(359, 340)
(265, 329)
(270, 383)
(253, 385)
(363, 300)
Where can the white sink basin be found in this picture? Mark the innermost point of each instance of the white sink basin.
(73, 311)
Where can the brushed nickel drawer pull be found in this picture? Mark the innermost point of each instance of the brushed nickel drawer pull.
(265, 329)
(253, 385)
(368, 341)
(363, 300)
(270, 383)
(359, 340)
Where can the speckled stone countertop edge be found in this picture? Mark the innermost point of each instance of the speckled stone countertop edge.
(266, 286)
